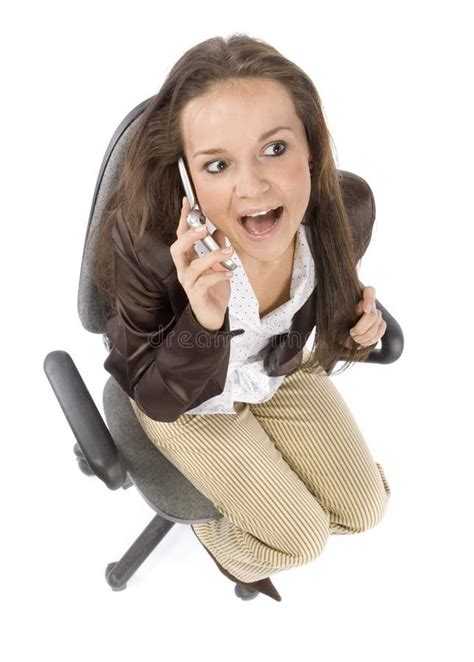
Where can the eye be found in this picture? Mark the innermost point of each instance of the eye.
(215, 172)
(279, 153)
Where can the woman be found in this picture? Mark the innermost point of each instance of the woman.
(212, 359)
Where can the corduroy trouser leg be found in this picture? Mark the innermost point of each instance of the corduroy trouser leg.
(285, 474)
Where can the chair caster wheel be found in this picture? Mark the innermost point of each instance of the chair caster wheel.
(111, 580)
(245, 593)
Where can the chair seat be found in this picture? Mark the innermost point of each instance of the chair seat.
(165, 488)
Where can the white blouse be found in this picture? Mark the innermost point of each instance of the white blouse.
(246, 379)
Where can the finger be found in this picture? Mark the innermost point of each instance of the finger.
(366, 326)
(184, 232)
(205, 266)
(373, 334)
(220, 239)
(207, 280)
(367, 303)
(183, 249)
(182, 223)
(369, 299)
(184, 229)
(211, 261)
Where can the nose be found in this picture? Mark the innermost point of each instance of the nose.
(250, 182)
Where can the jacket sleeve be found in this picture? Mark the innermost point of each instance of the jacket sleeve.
(161, 361)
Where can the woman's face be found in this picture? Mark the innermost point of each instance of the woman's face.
(243, 169)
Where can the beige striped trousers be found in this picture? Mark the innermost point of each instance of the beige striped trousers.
(285, 474)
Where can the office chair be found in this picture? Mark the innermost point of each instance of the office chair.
(118, 451)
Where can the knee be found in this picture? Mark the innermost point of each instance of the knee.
(370, 509)
(309, 539)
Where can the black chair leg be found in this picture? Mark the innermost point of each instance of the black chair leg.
(118, 573)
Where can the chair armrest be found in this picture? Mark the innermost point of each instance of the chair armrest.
(392, 340)
(85, 420)
(392, 343)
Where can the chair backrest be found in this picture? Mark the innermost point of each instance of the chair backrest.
(91, 306)
(90, 301)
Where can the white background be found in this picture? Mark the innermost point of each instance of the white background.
(396, 84)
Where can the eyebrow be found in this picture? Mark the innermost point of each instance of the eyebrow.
(220, 150)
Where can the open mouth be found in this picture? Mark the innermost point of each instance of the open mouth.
(257, 226)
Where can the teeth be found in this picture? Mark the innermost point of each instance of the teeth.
(261, 213)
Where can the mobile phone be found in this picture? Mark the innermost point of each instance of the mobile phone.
(196, 218)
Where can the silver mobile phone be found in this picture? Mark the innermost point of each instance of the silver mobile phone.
(196, 218)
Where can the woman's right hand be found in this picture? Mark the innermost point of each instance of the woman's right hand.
(205, 281)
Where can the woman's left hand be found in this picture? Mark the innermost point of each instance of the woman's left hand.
(371, 327)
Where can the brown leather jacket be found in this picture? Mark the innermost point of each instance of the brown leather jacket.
(161, 356)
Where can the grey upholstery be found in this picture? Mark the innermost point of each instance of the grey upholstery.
(166, 490)
(90, 304)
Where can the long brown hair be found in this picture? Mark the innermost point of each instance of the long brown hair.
(149, 190)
